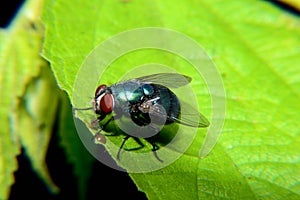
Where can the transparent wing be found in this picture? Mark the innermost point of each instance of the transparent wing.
(189, 120)
(188, 117)
(171, 80)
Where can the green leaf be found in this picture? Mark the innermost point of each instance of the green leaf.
(256, 48)
(35, 119)
(9, 147)
(20, 61)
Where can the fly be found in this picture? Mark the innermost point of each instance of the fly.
(147, 102)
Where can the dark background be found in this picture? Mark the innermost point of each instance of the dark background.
(8, 9)
(104, 182)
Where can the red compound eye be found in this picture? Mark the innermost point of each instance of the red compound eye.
(99, 89)
(106, 103)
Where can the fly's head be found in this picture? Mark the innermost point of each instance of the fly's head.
(103, 102)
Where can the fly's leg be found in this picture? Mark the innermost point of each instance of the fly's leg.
(152, 141)
(95, 123)
(125, 139)
(155, 147)
(98, 137)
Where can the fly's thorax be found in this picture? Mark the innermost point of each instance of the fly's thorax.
(129, 97)
(128, 91)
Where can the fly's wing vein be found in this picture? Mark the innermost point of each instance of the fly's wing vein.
(172, 80)
(190, 117)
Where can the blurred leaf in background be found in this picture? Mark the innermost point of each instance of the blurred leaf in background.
(32, 104)
(20, 62)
